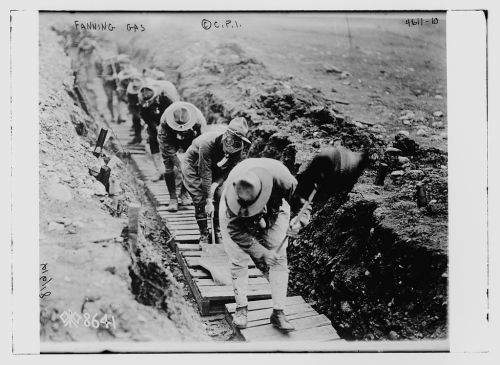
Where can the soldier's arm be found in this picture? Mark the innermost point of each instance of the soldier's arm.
(286, 183)
(202, 122)
(205, 166)
(163, 139)
(239, 233)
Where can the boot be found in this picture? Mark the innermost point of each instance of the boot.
(136, 140)
(278, 279)
(201, 219)
(160, 168)
(185, 200)
(204, 240)
(240, 317)
(170, 181)
(278, 320)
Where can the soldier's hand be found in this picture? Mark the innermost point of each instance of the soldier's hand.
(271, 258)
(209, 207)
(297, 224)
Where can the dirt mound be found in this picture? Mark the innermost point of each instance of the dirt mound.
(82, 243)
(375, 265)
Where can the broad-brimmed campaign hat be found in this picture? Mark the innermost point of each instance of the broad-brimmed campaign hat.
(134, 85)
(239, 127)
(249, 193)
(180, 116)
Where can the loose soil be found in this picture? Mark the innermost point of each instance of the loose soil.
(83, 236)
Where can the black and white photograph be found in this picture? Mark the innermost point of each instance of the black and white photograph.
(243, 177)
(251, 181)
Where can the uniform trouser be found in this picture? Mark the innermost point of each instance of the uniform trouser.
(239, 259)
(170, 159)
(109, 90)
(154, 146)
(136, 124)
(192, 182)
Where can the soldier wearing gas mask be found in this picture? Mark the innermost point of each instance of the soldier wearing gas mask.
(207, 164)
(180, 124)
(154, 98)
(132, 96)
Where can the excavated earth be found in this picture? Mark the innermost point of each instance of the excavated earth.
(83, 230)
(372, 260)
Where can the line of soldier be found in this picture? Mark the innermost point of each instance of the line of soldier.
(251, 201)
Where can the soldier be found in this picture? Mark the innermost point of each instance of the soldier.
(206, 165)
(333, 170)
(132, 92)
(254, 217)
(154, 98)
(180, 124)
(88, 59)
(111, 67)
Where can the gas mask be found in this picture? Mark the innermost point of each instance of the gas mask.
(147, 98)
(230, 145)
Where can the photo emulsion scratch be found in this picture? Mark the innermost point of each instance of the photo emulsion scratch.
(241, 178)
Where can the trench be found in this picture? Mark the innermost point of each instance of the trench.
(357, 262)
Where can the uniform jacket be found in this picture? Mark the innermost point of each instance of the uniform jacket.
(246, 231)
(166, 94)
(334, 170)
(204, 154)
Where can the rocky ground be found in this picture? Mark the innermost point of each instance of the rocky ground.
(83, 240)
(373, 261)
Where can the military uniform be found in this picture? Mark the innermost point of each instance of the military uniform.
(110, 70)
(258, 229)
(180, 124)
(151, 110)
(200, 170)
(333, 170)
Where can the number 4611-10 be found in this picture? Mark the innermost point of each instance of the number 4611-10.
(421, 21)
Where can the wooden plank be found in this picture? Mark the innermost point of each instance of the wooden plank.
(226, 293)
(187, 232)
(178, 214)
(187, 238)
(210, 282)
(231, 307)
(195, 261)
(179, 219)
(257, 314)
(198, 273)
(269, 331)
(315, 328)
(228, 289)
(188, 247)
(195, 254)
(203, 304)
(181, 209)
(192, 258)
(264, 321)
(176, 218)
(177, 226)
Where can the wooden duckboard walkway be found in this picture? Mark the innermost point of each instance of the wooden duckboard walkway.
(185, 237)
(211, 298)
(309, 325)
